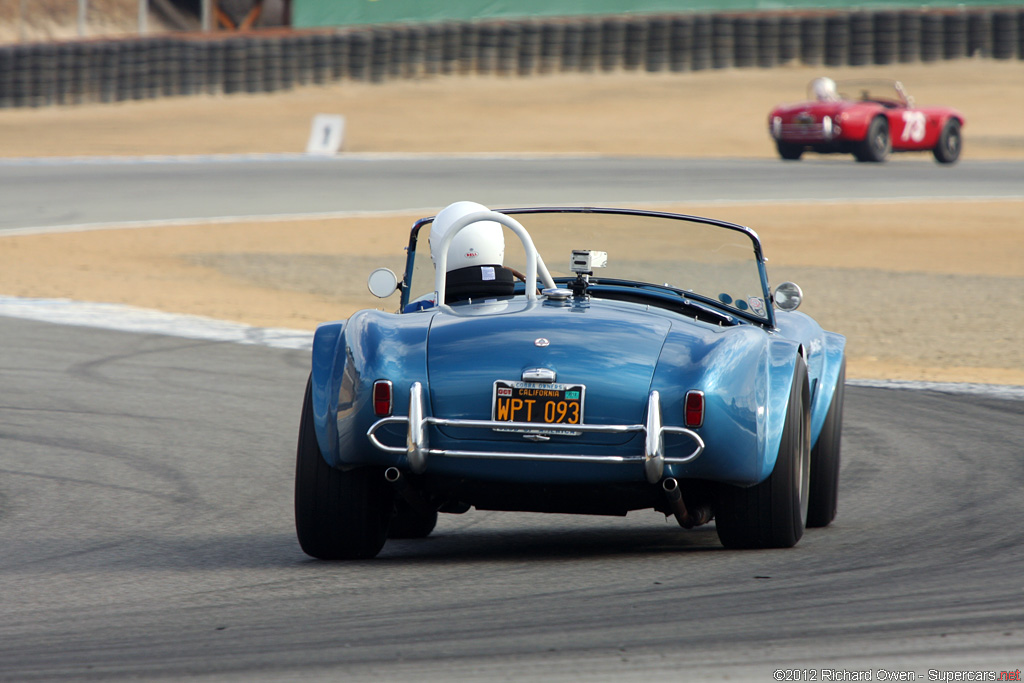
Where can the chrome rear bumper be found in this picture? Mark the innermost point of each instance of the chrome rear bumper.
(417, 449)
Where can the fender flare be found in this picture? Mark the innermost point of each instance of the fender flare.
(325, 382)
(834, 352)
(780, 365)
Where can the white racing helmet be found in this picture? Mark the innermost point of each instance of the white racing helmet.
(481, 243)
(824, 89)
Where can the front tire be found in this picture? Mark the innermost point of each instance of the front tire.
(877, 144)
(789, 151)
(947, 150)
(771, 514)
(339, 515)
(823, 499)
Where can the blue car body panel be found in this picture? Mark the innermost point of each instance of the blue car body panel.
(620, 351)
(744, 371)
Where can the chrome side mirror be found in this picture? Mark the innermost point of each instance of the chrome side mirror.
(382, 283)
(788, 296)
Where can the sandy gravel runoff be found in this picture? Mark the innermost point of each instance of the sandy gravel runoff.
(922, 291)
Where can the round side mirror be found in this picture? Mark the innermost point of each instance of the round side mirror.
(382, 283)
(788, 296)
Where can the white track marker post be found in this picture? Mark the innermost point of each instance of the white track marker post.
(327, 134)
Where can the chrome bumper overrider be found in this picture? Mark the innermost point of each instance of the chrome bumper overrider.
(653, 459)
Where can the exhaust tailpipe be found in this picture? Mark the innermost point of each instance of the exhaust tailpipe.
(394, 476)
(701, 515)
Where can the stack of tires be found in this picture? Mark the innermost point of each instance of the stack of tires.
(44, 74)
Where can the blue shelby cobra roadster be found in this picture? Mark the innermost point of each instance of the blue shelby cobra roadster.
(573, 360)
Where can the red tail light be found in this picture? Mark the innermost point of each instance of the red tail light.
(382, 398)
(694, 408)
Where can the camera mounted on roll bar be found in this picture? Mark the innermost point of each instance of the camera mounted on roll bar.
(583, 263)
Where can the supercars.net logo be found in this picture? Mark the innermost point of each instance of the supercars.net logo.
(892, 675)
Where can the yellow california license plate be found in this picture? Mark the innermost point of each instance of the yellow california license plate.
(537, 402)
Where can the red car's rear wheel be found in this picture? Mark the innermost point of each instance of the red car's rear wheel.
(947, 150)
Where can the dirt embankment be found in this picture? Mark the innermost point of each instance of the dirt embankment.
(922, 291)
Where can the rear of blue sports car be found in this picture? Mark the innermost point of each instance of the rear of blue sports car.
(575, 393)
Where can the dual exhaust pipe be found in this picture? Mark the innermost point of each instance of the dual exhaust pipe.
(686, 518)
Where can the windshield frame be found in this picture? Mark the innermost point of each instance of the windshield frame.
(885, 91)
(758, 255)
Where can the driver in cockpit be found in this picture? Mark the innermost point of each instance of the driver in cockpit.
(474, 268)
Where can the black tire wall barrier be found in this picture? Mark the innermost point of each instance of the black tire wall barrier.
(1005, 36)
(837, 40)
(932, 37)
(67, 73)
(910, 37)
(887, 38)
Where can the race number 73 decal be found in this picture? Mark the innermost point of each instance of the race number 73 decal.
(913, 126)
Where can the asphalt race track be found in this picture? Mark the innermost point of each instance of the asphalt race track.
(113, 191)
(146, 533)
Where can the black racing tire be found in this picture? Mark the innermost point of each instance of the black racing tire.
(771, 514)
(408, 522)
(947, 149)
(339, 514)
(877, 144)
(789, 151)
(823, 498)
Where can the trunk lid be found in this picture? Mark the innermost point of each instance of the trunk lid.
(611, 350)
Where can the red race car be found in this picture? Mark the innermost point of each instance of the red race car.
(865, 118)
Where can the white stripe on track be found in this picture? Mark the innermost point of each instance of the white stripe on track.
(960, 388)
(219, 220)
(294, 156)
(147, 321)
(421, 212)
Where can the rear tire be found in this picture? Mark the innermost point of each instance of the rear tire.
(408, 522)
(789, 151)
(338, 514)
(823, 499)
(877, 144)
(771, 514)
(947, 149)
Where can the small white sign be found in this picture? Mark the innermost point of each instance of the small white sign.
(327, 134)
